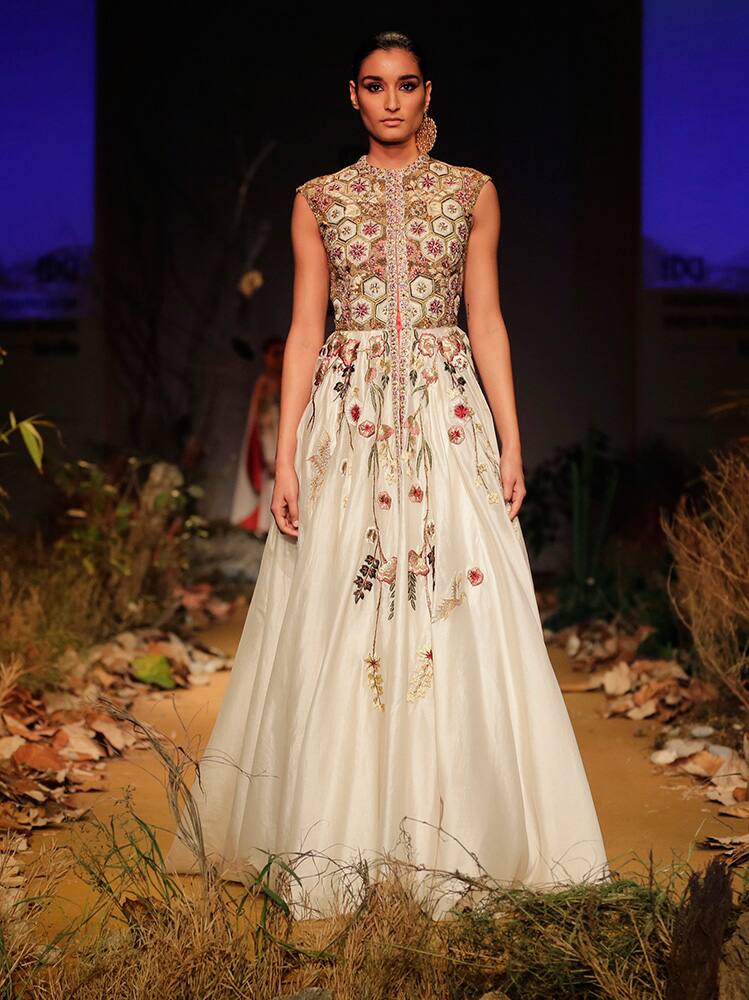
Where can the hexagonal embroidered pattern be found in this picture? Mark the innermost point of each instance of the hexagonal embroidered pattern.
(396, 384)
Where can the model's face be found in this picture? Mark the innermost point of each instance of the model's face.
(391, 95)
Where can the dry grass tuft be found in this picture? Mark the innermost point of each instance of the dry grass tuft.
(155, 934)
(710, 547)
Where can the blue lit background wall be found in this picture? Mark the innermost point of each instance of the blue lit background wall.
(695, 144)
(46, 158)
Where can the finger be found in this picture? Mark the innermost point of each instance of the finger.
(278, 510)
(508, 487)
(516, 504)
(293, 512)
(279, 519)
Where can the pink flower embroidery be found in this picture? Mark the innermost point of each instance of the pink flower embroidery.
(376, 346)
(366, 428)
(357, 250)
(433, 247)
(461, 410)
(386, 573)
(354, 411)
(416, 494)
(336, 343)
(475, 575)
(384, 500)
(416, 564)
(385, 432)
(456, 434)
(427, 345)
(448, 347)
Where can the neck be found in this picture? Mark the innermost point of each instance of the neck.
(392, 158)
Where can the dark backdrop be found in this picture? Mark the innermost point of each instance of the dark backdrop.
(207, 122)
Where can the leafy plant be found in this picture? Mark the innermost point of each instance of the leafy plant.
(128, 530)
(28, 429)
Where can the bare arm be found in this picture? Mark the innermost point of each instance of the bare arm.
(490, 343)
(305, 338)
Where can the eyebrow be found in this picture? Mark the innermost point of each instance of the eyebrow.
(405, 76)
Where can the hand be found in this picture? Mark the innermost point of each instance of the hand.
(513, 482)
(284, 503)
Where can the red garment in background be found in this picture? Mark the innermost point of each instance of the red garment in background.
(255, 466)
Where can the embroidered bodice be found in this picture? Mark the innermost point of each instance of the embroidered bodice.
(396, 240)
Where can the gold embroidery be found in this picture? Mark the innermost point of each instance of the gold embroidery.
(395, 238)
(374, 679)
(421, 678)
(396, 243)
(320, 460)
(456, 598)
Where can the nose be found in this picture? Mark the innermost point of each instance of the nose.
(392, 103)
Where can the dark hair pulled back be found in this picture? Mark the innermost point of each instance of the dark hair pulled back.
(388, 40)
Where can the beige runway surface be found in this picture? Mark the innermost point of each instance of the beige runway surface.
(639, 807)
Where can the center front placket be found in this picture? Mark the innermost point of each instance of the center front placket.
(397, 264)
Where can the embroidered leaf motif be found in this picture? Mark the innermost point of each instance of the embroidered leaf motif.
(456, 598)
(421, 679)
(363, 580)
(377, 396)
(320, 459)
(430, 560)
(374, 679)
(425, 452)
(412, 589)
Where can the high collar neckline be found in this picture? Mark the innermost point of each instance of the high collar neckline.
(383, 172)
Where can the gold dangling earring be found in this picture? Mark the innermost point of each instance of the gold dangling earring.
(426, 134)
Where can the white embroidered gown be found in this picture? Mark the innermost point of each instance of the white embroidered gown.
(392, 673)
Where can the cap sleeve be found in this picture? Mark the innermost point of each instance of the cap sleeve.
(475, 184)
(313, 193)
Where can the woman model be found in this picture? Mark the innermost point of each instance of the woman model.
(392, 690)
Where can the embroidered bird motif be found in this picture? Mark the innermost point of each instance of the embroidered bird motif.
(456, 598)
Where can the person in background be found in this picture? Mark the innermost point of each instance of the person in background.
(257, 462)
